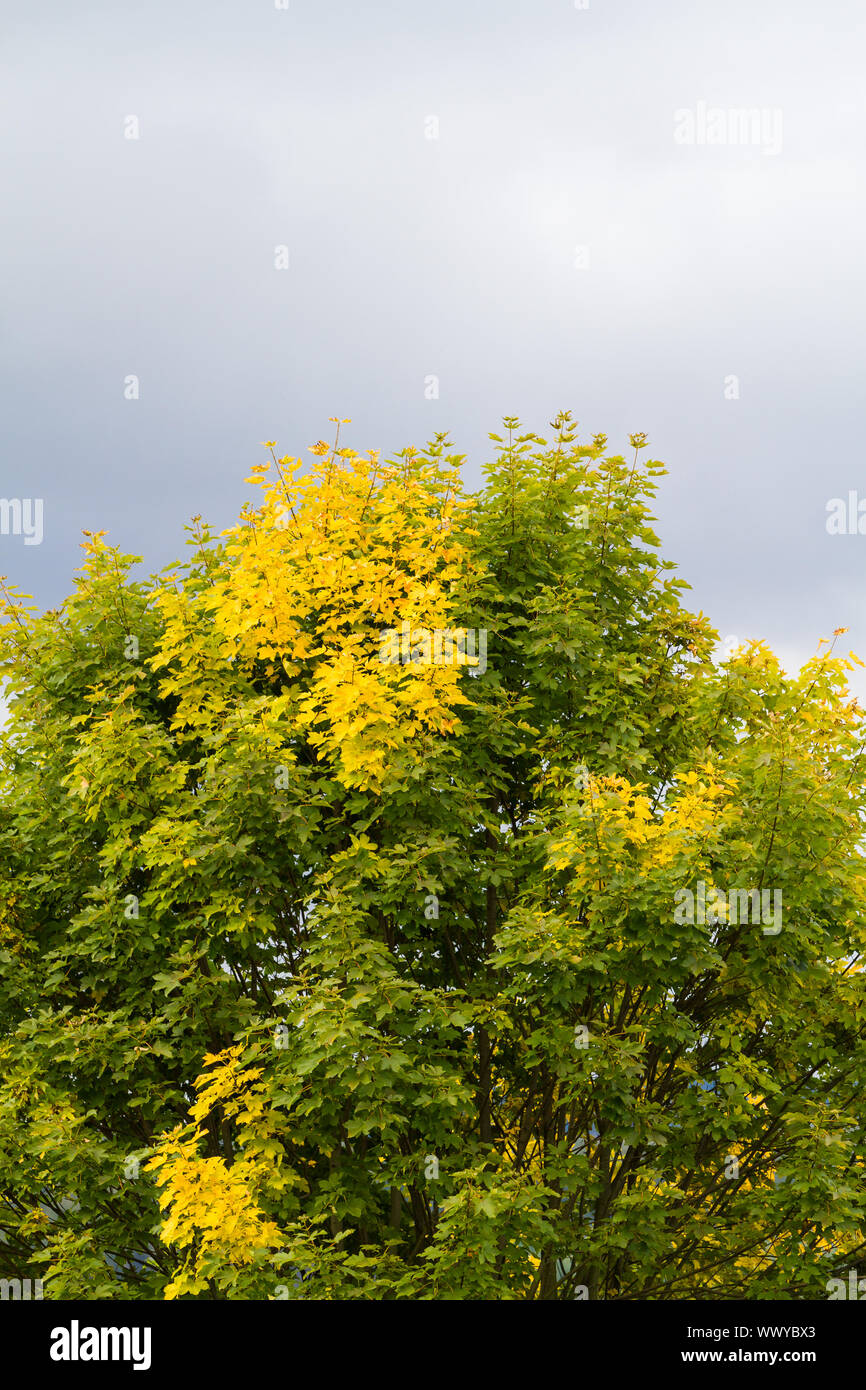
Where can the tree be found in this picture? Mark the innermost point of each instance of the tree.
(398, 901)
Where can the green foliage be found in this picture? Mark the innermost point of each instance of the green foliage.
(322, 977)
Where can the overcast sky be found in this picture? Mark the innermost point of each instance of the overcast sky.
(540, 205)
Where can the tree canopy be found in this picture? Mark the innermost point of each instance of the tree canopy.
(398, 900)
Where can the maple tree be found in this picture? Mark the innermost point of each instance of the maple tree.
(330, 973)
